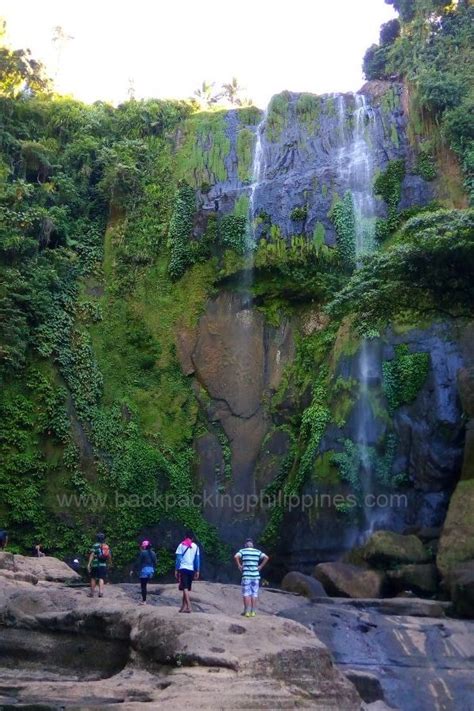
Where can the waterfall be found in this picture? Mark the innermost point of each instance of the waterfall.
(356, 168)
(258, 171)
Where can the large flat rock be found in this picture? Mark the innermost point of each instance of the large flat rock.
(60, 648)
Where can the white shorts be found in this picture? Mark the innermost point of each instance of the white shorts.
(250, 587)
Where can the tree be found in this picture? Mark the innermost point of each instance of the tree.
(374, 64)
(389, 32)
(19, 72)
(405, 8)
(205, 94)
(232, 92)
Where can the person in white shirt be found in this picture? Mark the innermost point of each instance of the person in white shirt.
(187, 568)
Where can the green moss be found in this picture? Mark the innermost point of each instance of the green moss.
(277, 116)
(342, 399)
(203, 149)
(249, 115)
(342, 216)
(245, 144)
(347, 342)
(457, 540)
(394, 136)
(330, 107)
(241, 207)
(232, 233)
(180, 231)
(378, 406)
(308, 110)
(388, 185)
(404, 376)
(407, 322)
(299, 214)
(390, 101)
(319, 235)
(425, 164)
(325, 470)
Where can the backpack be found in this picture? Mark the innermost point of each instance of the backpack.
(102, 552)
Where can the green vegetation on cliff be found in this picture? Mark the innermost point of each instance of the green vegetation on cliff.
(432, 48)
(97, 419)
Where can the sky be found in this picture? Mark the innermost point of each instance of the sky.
(166, 48)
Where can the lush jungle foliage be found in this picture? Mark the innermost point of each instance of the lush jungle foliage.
(432, 48)
(94, 411)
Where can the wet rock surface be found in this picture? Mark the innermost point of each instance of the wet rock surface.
(421, 663)
(238, 361)
(430, 439)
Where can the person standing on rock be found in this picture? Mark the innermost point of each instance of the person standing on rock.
(3, 539)
(146, 565)
(250, 561)
(99, 559)
(187, 568)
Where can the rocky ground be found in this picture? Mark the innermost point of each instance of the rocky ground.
(61, 650)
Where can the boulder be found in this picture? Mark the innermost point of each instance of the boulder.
(345, 580)
(386, 549)
(461, 588)
(466, 390)
(7, 561)
(34, 569)
(303, 585)
(421, 579)
(367, 684)
(456, 544)
(426, 534)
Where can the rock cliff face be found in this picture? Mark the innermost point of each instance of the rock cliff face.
(237, 363)
(312, 150)
(304, 141)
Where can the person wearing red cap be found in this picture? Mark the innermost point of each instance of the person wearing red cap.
(146, 565)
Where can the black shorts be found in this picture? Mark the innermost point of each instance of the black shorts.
(99, 572)
(186, 578)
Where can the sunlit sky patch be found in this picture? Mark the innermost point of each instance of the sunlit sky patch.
(166, 48)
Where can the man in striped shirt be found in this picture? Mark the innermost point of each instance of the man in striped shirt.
(250, 562)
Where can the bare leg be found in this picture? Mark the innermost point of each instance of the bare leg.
(254, 603)
(247, 603)
(93, 584)
(186, 600)
(101, 587)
